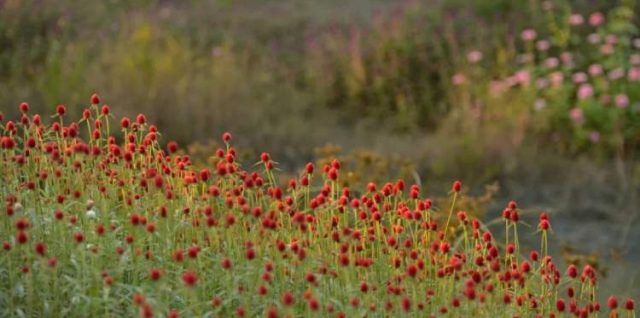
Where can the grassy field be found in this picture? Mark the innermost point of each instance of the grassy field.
(532, 101)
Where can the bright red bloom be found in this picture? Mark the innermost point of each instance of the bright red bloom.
(41, 248)
(226, 263)
(172, 146)
(544, 225)
(190, 278)
(457, 185)
(95, 99)
(60, 110)
(22, 237)
(155, 273)
(24, 107)
(612, 302)
(287, 299)
(629, 304)
(141, 119)
(79, 237)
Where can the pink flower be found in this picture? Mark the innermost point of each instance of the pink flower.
(622, 101)
(543, 45)
(634, 59)
(576, 115)
(528, 35)
(596, 18)
(616, 74)
(634, 74)
(595, 70)
(523, 77)
(458, 79)
(594, 137)
(576, 19)
(539, 104)
(579, 78)
(474, 56)
(611, 39)
(585, 91)
(606, 49)
(551, 62)
(593, 38)
(567, 59)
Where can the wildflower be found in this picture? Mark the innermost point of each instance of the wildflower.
(612, 303)
(226, 263)
(528, 35)
(95, 99)
(24, 107)
(576, 115)
(91, 214)
(544, 225)
(189, 278)
(622, 101)
(474, 56)
(41, 248)
(576, 19)
(629, 304)
(22, 237)
(596, 19)
(457, 185)
(287, 299)
(458, 79)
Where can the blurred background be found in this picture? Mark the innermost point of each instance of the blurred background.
(536, 101)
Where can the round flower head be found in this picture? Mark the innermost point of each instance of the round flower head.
(91, 214)
(528, 35)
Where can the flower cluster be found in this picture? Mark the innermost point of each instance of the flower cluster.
(96, 224)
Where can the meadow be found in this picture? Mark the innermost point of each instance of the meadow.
(337, 195)
(101, 228)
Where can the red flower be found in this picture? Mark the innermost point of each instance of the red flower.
(41, 248)
(189, 278)
(95, 99)
(138, 299)
(412, 270)
(287, 299)
(456, 186)
(629, 304)
(141, 119)
(612, 302)
(226, 137)
(79, 237)
(60, 109)
(24, 107)
(155, 273)
(172, 146)
(544, 225)
(22, 237)
(125, 122)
